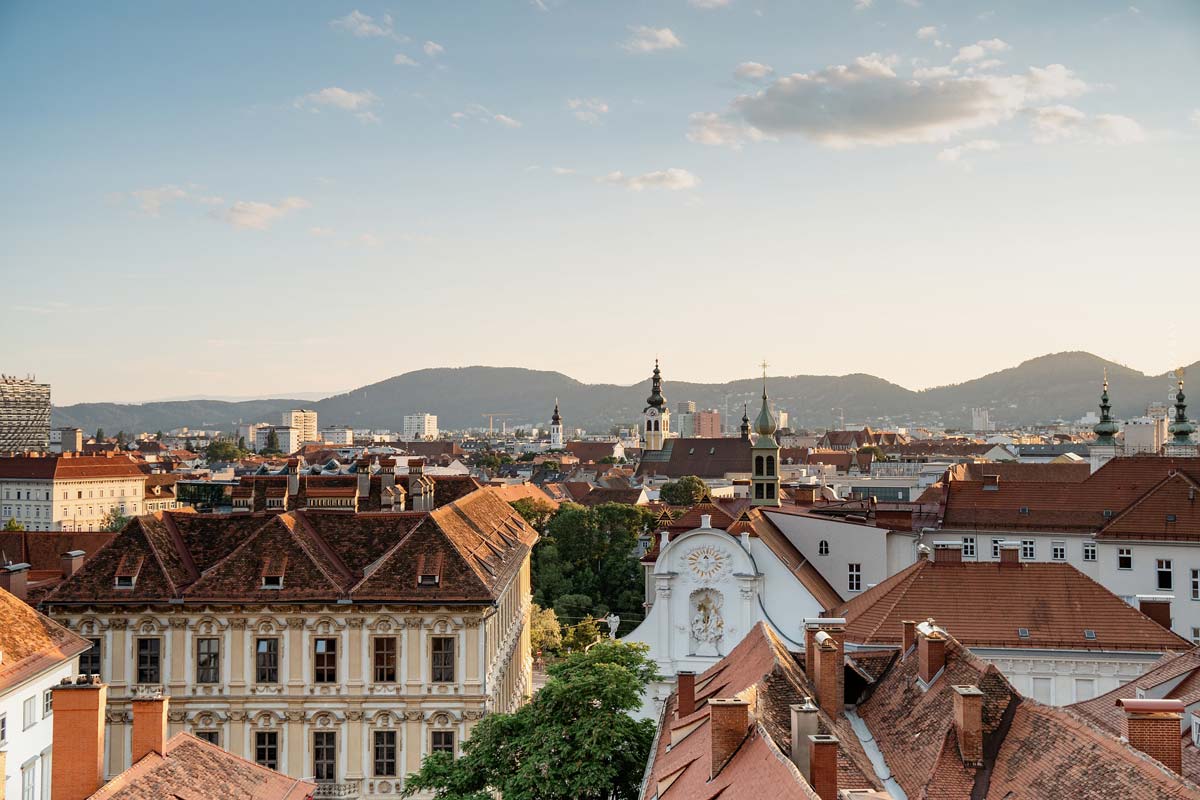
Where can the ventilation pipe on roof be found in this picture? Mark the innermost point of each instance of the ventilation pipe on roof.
(14, 578)
(804, 724)
(72, 562)
(149, 724)
(77, 770)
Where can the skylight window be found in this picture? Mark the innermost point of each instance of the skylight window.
(1023, 633)
(1088, 633)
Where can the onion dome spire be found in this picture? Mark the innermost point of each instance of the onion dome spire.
(556, 418)
(656, 398)
(745, 422)
(1105, 429)
(764, 425)
(1182, 428)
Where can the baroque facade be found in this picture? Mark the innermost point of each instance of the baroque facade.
(334, 645)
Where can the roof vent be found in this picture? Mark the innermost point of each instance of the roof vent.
(1088, 633)
(1108, 513)
(1024, 509)
(1023, 633)
(1171, 517)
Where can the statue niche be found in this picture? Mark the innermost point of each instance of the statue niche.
(707, 624)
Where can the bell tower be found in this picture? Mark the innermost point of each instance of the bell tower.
(657, 418)
(1181, 429)
(764, 454)
(1105, 448)
(556, 428)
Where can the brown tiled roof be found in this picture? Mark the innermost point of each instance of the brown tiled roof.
(1169, 511)
(591, 451)
(31, 643)
(68, 467)
(1020, 472)
(760, 670)
(448, 488)
(42, 550)
(627, 496)
(192, 768)
(704, 458)
(329, 555)
(512, 492)
(984, 604)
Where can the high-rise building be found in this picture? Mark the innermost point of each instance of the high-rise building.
(706, 424)
(981, 420)
(685, 407)
(418, 427)
(304, 421)
(24, 414)
(289, 439)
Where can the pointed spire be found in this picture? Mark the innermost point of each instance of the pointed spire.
(555, 418)
(764, 425)
(1105, 429)
(656, 398)
(745, 421)
(1182, 428)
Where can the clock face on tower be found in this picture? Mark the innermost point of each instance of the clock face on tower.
(651, 412)
(707, 562)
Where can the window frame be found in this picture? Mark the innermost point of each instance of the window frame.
(1164, 567)
(157, 656)
(379, 764)
(968, 547)
(208, 661)
(379, 673)
(1056, 548)
(324, 671)
(854, 577)
(1195, 584)
(324, 770)
(442, 747)
(996, 543)
(260, 657)
(29, 715)
(1125, 553)
(210, 735)
(442, 662)
(1089, 551)
(823, 547)
(47, 703)
(1029, 549)
(261, 746)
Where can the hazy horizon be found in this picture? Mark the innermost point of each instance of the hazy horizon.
(207, 199)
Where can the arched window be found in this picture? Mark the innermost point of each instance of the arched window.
(770, 465)
(823, 548)
(758, 491)
(758, 465)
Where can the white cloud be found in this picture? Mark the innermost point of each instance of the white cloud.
(1063, 122)
(404, 60)
(867, 103)
(587, 109)
(925, 73)
(253, 215)
(644, 39)
(321, 232)
(340, 98)
(709, 3)
(752, 71)
(977, 51)
(673, 179)
(954, 154)
(562, 170)
(364, 26)
(151, 201)
(370, 240)
(506, 121)
(433, 49)
(927, 32)
(717, 129)
(483, 114)
(863, 5)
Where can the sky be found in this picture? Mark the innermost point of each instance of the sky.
(255, 199)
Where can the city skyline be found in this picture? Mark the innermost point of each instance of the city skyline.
(928, 191)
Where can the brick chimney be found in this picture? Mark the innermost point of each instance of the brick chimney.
(77, 769)
(931, 650)
(822, 759)
(149, 724)
(1153, 726)
(729, 718)
(685, 687)
(834, 626)
(1010, 554)
(71, 561)
(416, 466)
(830, 678)
(910, 634)
(968, 723)
(804, 724)
(14, 578)
(947, 552)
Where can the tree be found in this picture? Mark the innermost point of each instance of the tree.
(876, 452)
(13, 525)
(220, 450)
(581, 635)
(99, 434)
(241, 444)
(159, 436)
(545, 634)
(121, 438)
(686, 491)
(536, 512)
(272, 447)
(574, 741)
(114, 520)
(188, 445)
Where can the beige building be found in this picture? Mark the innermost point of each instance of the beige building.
(333, 644)
(69, 492)
(305, 423)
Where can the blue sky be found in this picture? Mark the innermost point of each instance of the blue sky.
(246, 199)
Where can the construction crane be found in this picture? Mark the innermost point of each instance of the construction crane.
(494, 415)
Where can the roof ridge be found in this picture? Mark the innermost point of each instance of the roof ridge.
(185, 555)
(175, 590)
(1129, 508)
(370, 569)
(323, 546)
(892, 583)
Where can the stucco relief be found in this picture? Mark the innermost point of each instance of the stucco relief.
(707, 625)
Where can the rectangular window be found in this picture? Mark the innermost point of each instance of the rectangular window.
(996, 548)
(29, 712)
(385, 659)
(28, 776)
(325, 660)
(443, 659)
(266, 661)
(212, 737)
(1124, 558)
(1162, 569)
(1089, 551)
(1085, 689)
(208, 660)
(443, 742)
(854, 577)
(4, 728)
(1028, 549)
(1195, 635)
(1196, 584)
(385, 754)
(325, 756)
(89, 660)
(149, 658)
(266, 749)
(47, 703)
(1058, 551)
(1043, 690)
(968, 547)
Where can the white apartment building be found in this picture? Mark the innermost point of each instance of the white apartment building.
(249, 432)
(302, 420)
(418, 427)
(38, 654)
(69, 492)
(290, 439)
(338, 436)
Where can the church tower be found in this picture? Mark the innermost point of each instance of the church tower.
(1181, 428)
(556, 429)
(765, 456)
(657, 417)
(1105, 448)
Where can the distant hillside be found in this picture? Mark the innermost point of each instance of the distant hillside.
(1062, 385)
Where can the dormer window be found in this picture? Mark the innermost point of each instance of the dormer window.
(124, 582)
(272, 581)
(127, 571)
(428, 580)
(429, 571)
(271, 576)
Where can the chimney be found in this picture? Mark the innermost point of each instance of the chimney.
(830, 678)
(947, 552)
(416, 466)
(77, 769)
(804, 724)
(1010, 554)
(729, 718)
(1153, 726)
(686, 691)
(14, 578)
(922, 552)
(363, 471)
(387, 473)
(834, 626)
(910, 634)
(72, 561)
(968, 723)
(149, 724)
(822, 776)
(931, 650)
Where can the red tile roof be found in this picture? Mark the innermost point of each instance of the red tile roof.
(68, 467)
(31, 643)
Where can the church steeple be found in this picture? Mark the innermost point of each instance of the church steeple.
(765, 424)
(764, 454)
(556, 428)
(745, 422)
(657, 424)
(1181, 428)
(656, 398)
(1106, 428)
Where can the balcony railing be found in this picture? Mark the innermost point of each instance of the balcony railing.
(347, 789)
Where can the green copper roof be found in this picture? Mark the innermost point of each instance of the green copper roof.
(1105, 429)
(656, 398)
(764, 425)
(1182, 428)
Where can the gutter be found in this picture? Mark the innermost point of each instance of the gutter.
(878, 762)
